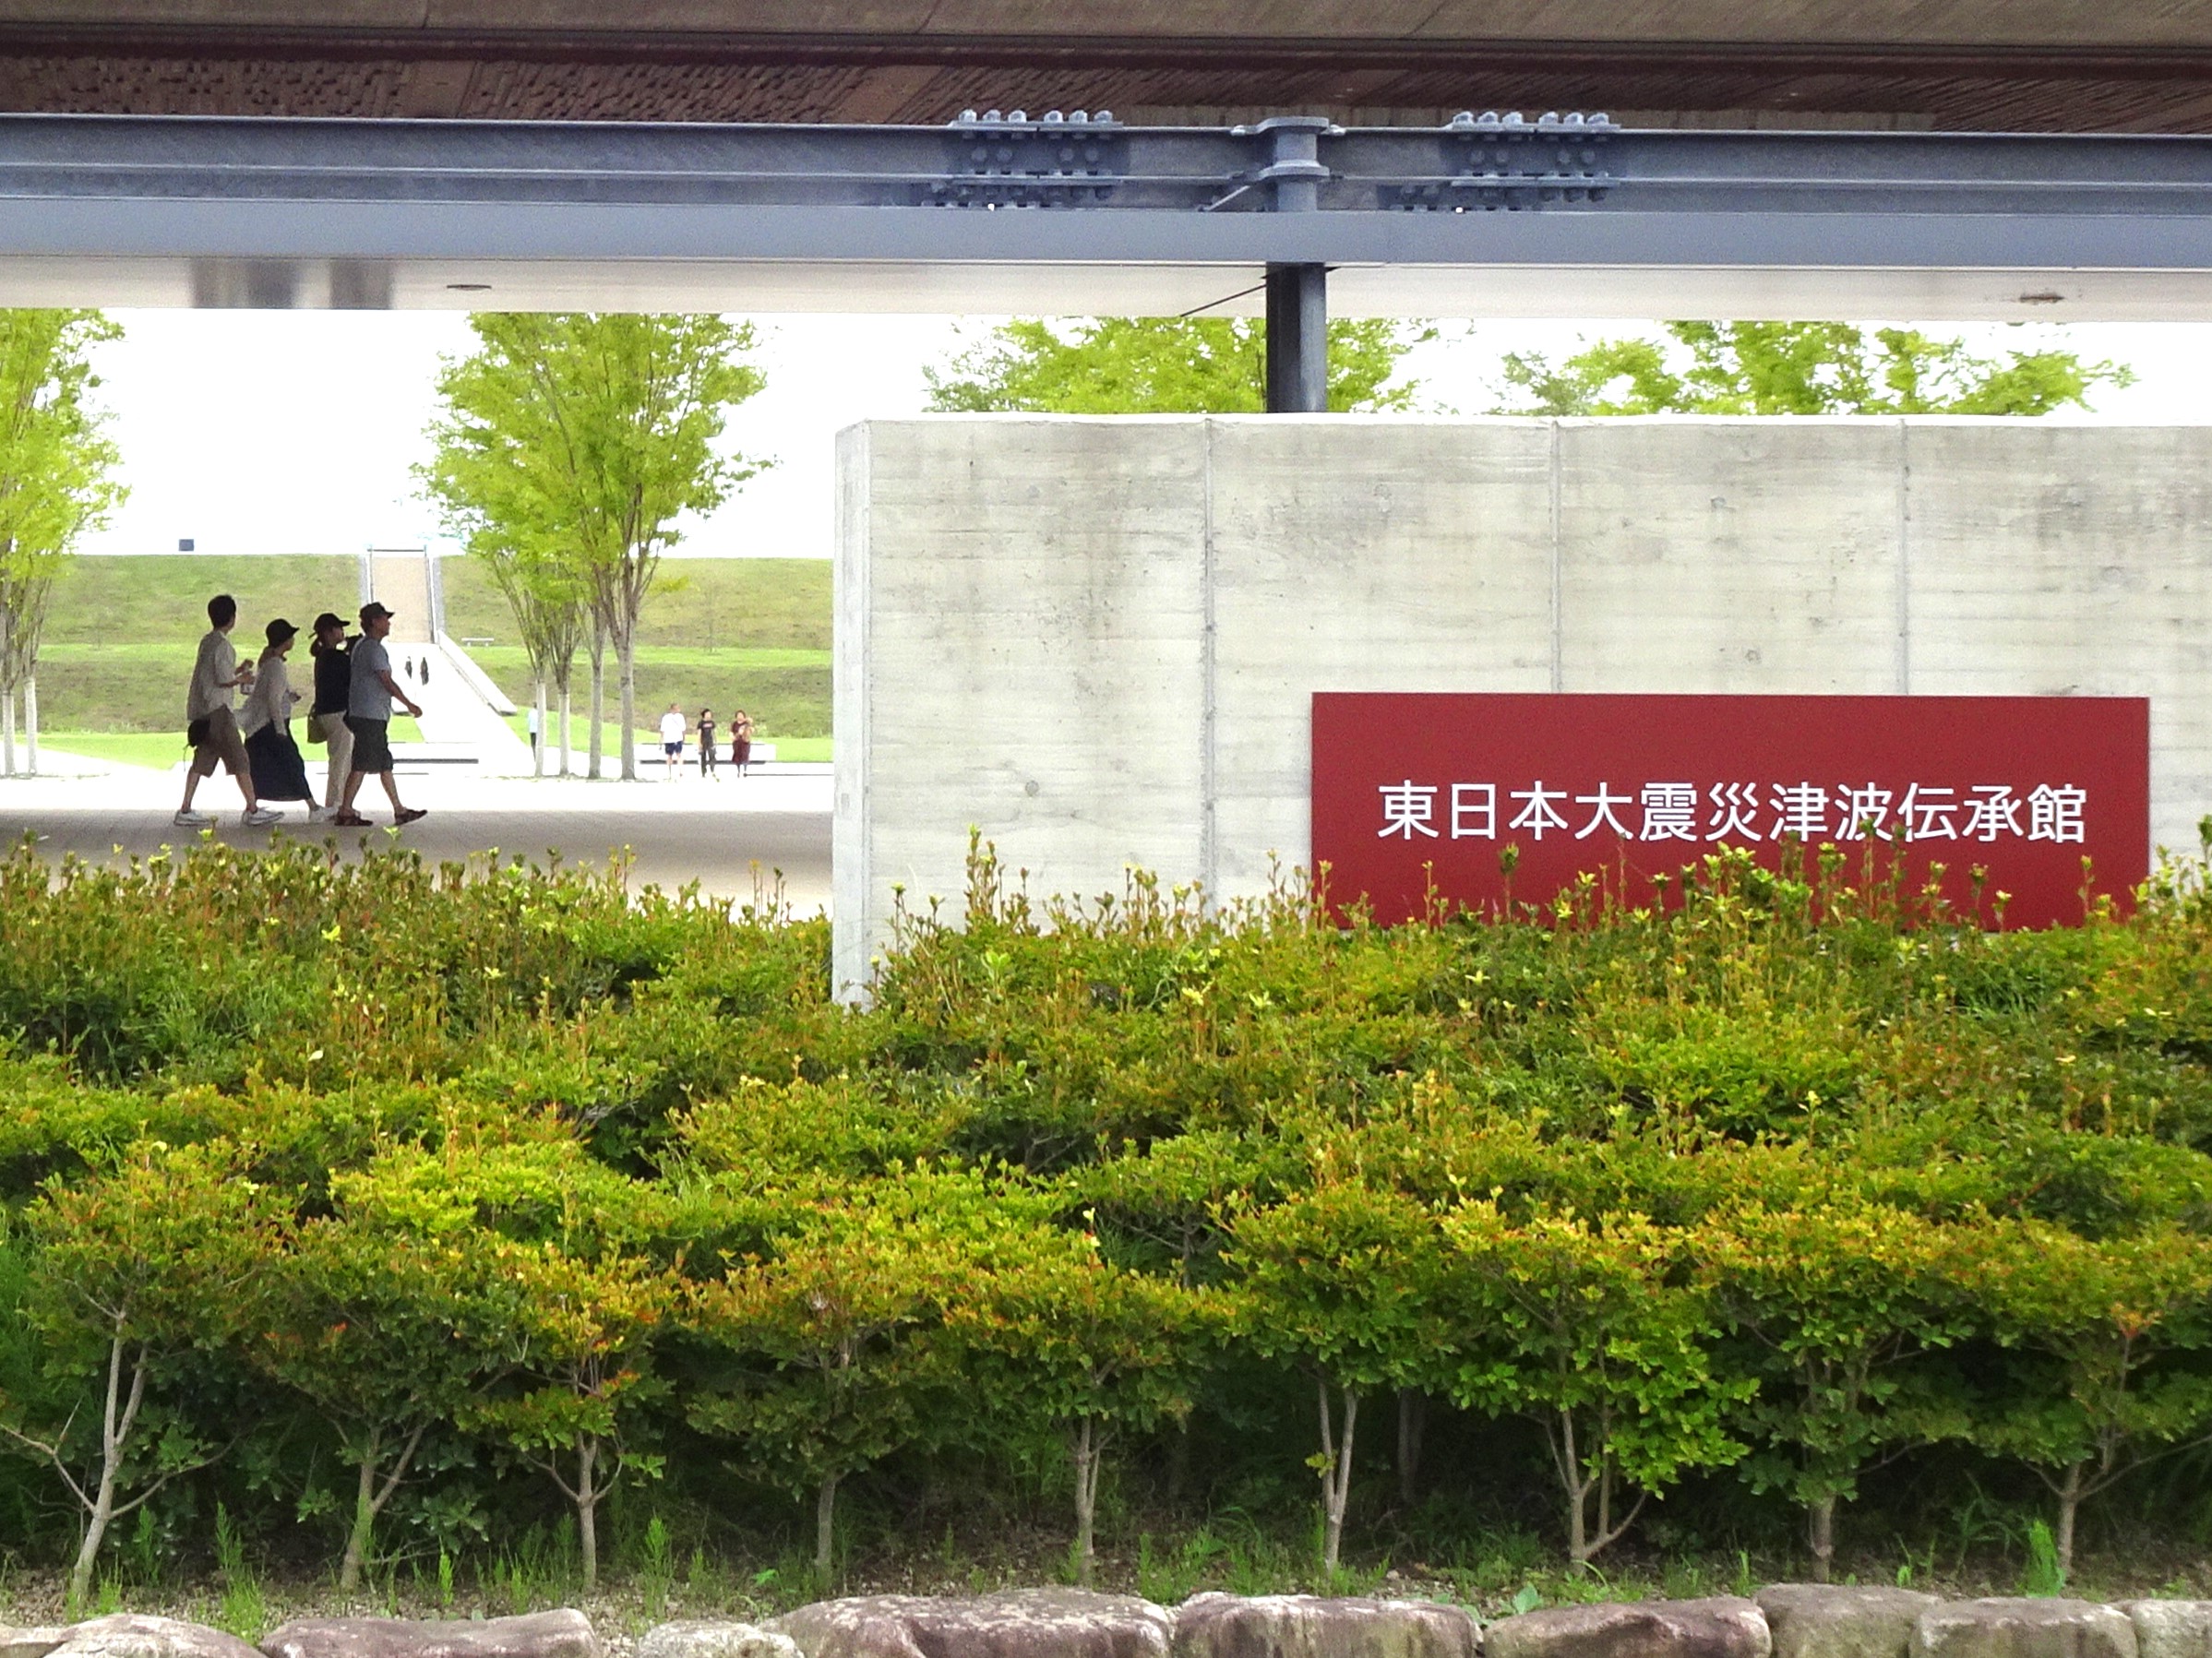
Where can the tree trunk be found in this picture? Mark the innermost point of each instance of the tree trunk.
(1564, 1453)
(1336, 1477)
(1411, 1414)
(537, 743)
(587, 1510)
(1820, 1535)
(365, 1522)
(116, 1423)
(2070, 1502)
(565, 744)
(1088, 1456)
(825, 1532)
(7, 731)
(598, 699)
(30, 723)
(626, 660)
(368, 1502)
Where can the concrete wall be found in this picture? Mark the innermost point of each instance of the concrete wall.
(1094, 640)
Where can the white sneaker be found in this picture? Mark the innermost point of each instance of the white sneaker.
(318, 814)
(261, 817)
(189, 819)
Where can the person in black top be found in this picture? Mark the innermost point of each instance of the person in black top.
(706, 743)
(327, 719)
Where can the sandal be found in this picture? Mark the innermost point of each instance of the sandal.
(348, 820)
(409, 816)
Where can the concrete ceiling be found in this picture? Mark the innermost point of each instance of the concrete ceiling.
(2059, 65)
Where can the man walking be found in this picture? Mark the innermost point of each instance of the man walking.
(368, 717)
(671, 739)
(209, 725)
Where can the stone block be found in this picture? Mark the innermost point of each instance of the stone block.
(1023, 1623)
(2023, 1628)
(563, 1634)
(132, 1635)
(1828, 1620)
(1723, 1626)
(2163, 1628)
(31, 1643)
(705, 1639)
(1305, 1626)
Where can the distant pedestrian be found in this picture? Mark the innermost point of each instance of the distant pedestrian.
(706, 744)
(265, 721)
(424, 675)
(536, 736)
(210, 727)
(741, 741)
(407, 668)
(369, 716)
(327, 715)
(671, 739)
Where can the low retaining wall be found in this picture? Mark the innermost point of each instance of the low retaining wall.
(1786, 1621)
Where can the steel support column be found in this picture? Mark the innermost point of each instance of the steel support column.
(1298, 340)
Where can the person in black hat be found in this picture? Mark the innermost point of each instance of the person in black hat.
(326, 714)
(368, 717)
(279, 772)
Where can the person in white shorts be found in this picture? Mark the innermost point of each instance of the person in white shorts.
(211, 726)
(671, 739)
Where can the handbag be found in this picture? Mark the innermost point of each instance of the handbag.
(316, 732)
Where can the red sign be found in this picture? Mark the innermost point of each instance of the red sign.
(1410, 790)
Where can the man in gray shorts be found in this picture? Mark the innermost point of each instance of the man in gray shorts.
(210, 727)
(368, 717)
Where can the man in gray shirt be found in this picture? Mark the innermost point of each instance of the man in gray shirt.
(368, 717)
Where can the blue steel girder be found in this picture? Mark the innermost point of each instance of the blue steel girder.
(90, 205)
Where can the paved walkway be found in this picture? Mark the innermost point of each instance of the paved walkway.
(732, 836)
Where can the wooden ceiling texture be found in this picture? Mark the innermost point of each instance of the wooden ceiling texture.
(2031, 66)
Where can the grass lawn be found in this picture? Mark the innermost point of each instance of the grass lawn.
(163, 750)
(701, 604)
(786, 691)
(717, 633)
(812, 750)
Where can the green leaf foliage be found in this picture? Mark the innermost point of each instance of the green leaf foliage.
(430, 1204)
(1159, 365)
(1798, 368)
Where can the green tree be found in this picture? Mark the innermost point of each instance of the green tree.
(55, 461)
(612, 422)
(1159, 365)
(2107, 1333)
(1590, 1329)
(566, 1240)
(837, 1333)
(164, 1255)
(490, 499)
(1090, 1349)
(1341, 1280)
(1837, 1299)
(1798, 368)
(394, 1322)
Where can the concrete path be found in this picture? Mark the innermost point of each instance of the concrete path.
(734, 838)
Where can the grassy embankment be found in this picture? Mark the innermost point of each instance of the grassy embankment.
(727, 634)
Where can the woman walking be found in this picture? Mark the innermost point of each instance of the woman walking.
(741, 740)
(266, 721)
(707, 757)
(327, 715)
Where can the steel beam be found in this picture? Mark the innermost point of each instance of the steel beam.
(1298, 340)
(1483, 217)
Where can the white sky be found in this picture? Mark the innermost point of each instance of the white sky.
(293, 431)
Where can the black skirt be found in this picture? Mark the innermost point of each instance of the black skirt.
(279, 772)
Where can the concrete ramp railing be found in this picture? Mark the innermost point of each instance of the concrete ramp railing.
(476, 678)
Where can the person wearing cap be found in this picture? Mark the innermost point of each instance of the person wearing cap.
(372, 692)
(326, 714)
(266, 721)
(211, 726)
